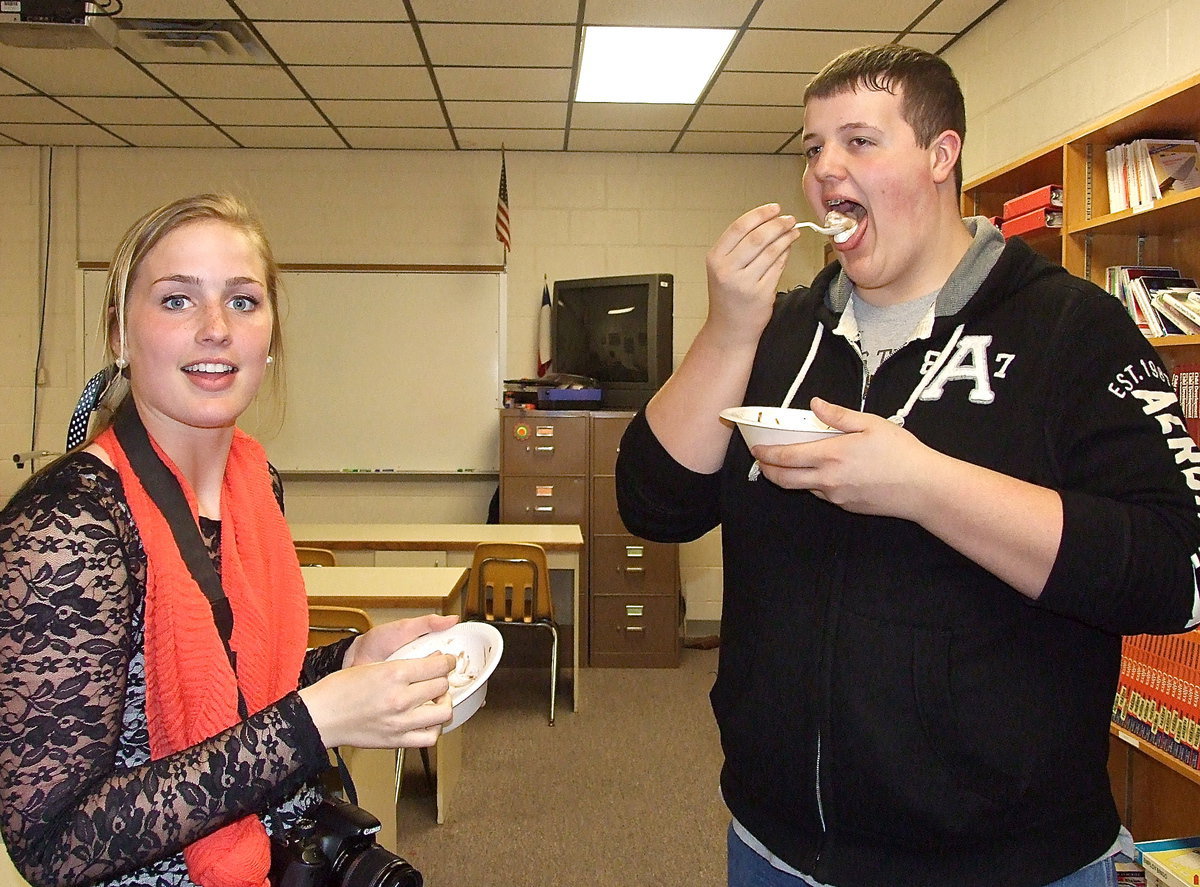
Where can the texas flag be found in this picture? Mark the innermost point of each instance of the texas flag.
(543, 347)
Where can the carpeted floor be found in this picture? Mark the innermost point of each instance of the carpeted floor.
(623, 792)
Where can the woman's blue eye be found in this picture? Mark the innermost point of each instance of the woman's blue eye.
(243, 303)
(175, 302)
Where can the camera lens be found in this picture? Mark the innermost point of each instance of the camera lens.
(376, 866)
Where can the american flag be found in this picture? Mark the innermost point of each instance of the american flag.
(543, 355)
(502, 232)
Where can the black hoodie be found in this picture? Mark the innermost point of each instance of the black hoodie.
(891, 713)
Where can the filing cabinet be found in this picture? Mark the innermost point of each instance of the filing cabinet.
(559, 467)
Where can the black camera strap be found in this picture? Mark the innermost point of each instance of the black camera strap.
(163, 488)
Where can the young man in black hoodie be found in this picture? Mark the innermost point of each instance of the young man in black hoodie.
(922, 616)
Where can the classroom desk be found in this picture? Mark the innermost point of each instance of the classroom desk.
(391, 593)
(563, 544)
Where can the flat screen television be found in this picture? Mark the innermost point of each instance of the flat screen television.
(617, 330)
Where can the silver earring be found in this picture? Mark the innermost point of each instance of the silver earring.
(121, 362)
(270, 360)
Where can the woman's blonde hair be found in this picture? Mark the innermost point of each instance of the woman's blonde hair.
(143, 236)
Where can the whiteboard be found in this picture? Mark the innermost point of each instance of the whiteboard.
(384, 371)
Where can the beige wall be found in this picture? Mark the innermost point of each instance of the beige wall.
(573, 215)
(1038, 70)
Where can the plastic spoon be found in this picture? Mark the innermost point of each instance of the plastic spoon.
(839, 226)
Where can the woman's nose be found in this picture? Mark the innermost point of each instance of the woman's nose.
(214, 326)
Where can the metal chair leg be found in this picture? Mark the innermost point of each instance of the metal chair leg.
(553, 670)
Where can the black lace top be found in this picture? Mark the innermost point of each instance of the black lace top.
(80, 799)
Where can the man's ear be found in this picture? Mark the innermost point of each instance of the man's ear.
(943, 155)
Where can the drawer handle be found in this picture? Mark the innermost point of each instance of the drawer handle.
(635, 551)
(547, 449)
(634, 609)
(634, 628)
(632, 569)
(545, 509)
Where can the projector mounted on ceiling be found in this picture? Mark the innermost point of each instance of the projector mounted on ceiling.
(54, 24)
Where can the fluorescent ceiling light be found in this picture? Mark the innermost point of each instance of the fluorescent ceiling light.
(649, 65)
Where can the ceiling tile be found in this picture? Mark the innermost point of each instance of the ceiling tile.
(380, 137)
(310, 10)
(532, 115)
(157, 111)
(285, 136)
(13, 86)
(178, 9)
(337, 43)
(259, 112)
(365, 82)
(608, 115)
(773, 50)
(59, 134)
(35, 109)
(617, 140)
(878, 15)
(954, 15)
(227, 81)
(501, 45)
(78, 71)
(510, 139)
(929, 42)
(504, 84)
(384, 113)
(5, 140)
(173, 136)
(731, 142)
(747, 118)
(757, 88)
(544, 11)
(669, 13)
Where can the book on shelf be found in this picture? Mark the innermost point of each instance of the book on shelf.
(1144, 170)
(1117, 277)
(1158, 694)
(1037, 220)
(1185, 379)
(1048, 196)
(1173, 165)
(1146, 289)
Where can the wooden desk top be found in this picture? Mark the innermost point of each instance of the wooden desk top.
(379, 587)
(434, 537)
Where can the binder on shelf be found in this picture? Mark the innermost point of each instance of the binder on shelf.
(1048, 196)
(1038, 220)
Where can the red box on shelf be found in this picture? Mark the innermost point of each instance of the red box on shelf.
(1039, 219)
(1039, 198)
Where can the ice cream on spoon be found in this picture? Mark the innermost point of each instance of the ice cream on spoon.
(838, 225)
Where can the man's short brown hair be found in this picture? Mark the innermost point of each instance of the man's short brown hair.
(931, 99)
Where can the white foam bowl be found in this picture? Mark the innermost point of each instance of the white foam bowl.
(776, 425)
(478, 647)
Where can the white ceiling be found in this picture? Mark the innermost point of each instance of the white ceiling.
(433, 74)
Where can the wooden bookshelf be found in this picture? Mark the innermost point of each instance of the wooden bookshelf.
(1158, 795)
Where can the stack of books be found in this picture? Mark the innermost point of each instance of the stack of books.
(1158, 697)
(1158, 297)
(1037, 210)
(1185, 377)
(1146, 170)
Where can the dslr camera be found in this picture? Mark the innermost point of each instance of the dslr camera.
(334, 846)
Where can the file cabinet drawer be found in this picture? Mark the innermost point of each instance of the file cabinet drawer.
(544, 445)
(606, 441)
(629, 565)
(605, 516)
(635, 631)
(543, 500)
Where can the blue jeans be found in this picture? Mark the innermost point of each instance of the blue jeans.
(748, 869)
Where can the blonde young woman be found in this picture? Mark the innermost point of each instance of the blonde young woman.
(131, 750)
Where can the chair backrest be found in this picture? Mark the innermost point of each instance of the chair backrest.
(315, 557)
(329, 624)
(509, 582)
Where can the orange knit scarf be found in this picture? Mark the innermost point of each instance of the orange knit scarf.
(191, 690)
